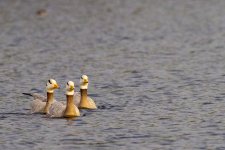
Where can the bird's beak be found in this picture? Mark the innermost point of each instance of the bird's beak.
(71, 88)
(85, 81)
(56, 86)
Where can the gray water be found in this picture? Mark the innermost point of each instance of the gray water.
(156, 71)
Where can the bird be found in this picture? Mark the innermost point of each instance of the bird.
(81, 100)
(41, 104)
(68, 109)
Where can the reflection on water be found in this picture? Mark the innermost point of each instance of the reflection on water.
(156, 72)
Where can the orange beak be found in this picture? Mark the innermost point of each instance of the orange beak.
(71, 88)
(85, 81)
(56, 86)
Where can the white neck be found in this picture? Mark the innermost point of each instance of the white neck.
(70, 92)
(49, 91)
(84, 86)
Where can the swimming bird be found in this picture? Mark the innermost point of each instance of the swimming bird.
(81, 99)
(68, 109)
(41, 104)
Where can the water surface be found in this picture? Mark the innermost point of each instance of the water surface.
(156, 71)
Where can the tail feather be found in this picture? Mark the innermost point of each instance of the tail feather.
(27, 94)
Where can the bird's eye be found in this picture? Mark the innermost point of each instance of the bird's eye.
(50, 81)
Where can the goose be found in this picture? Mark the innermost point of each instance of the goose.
(41, 104)
(68, 109)
(81, 100)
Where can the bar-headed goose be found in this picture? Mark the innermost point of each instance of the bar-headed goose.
(68, 109)
(82, 100)
(41, 104)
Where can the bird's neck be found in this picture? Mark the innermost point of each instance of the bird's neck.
(83, 102)
(83, 93)
(69, 99)
(70, 107)
(50, 99)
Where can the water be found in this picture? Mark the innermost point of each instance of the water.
(156, 71)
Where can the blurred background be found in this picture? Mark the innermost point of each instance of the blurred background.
(156, 71)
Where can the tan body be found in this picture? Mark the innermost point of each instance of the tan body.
(85, 101)
(41, 104)
(89, 102)
(38, 105)
(62, 109)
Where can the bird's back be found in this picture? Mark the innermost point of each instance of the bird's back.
(57, 109)
(37, 106)
(39, 96)
(77, 99)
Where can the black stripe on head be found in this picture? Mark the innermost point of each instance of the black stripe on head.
(68, 83)
(81, 77)
(50, 81)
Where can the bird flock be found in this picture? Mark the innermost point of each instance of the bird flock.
(65, 108)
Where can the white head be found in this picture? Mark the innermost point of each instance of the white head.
(84, 82)
(51, 85)
(70, 88)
